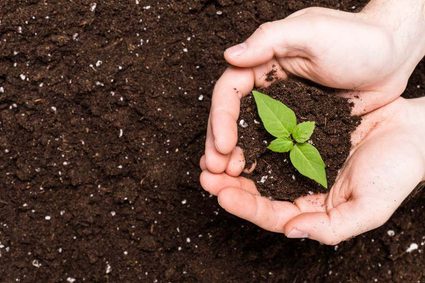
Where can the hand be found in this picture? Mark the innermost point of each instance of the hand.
(371, 53)
(386, 162)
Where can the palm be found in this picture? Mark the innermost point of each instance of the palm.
(333, 48)
(363, 58)
(384, 166)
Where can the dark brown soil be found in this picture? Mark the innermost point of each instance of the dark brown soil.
(81, 199)
(274, 174)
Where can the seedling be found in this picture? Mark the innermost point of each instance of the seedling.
(280, 121)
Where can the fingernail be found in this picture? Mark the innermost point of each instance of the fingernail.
(295, 233)
(237, 49)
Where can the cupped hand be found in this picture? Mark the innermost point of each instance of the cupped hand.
(351, 51)
(386, 162)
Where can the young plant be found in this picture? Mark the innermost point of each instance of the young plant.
(280, 121)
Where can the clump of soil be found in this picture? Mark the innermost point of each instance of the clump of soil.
(274, 174)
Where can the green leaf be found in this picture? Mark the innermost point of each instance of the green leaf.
(303, 131)
(307, 160)
(281, 145)
(278, 119)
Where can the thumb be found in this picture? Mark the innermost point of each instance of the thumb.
(340, 223)
(287, 37)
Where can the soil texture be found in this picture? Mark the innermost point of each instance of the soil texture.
(103, 111)
(274, 174)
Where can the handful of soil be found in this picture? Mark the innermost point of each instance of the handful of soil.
(274, 174)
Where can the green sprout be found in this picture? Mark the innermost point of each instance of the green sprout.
(280, 121)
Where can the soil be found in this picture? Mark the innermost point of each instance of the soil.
(103, 107)
(274, 174)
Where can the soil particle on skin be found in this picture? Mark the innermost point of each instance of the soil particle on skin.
(274, 174)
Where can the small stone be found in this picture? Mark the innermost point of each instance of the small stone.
(391, 233)
(263, 179)
(36, 263)
(243, 123)
(93, 7)
(412, 247)
(108, 268)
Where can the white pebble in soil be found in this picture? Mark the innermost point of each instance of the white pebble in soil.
(36, 263)
(93, 7)
(412, 247)
(70, 280)
(391, 233)
(263, 179)
(243, 123)
(108, 268)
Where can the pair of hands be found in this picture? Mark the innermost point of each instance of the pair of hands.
(387, 159)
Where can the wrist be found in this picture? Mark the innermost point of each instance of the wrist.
(405, 22)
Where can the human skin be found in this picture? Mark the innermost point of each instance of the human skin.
(372, 54)
(386, 162)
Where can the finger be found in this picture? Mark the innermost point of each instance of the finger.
(232, 85)
(215, 161)
(367, 101)
(236, 163)
(338, 224)
(268, 73)
(367, 124)
(268, 214)
(312, 203)
(202, 163)
(214, 183)
(281, 38)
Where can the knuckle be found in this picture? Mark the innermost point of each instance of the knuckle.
(332, 241)
(265, 28)
(309, 10)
